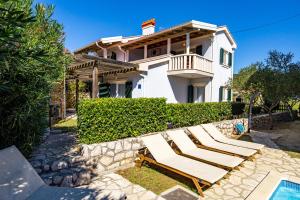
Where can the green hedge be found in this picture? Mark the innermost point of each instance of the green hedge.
(188, 114)
(107, 119)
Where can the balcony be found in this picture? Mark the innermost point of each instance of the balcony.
(190, 66)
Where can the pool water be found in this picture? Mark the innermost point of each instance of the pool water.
(286, 190)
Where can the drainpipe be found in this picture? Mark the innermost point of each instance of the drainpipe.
(103, 49)
(124, 52)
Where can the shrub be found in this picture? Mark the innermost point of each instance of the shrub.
(31, 61)
(188, 114)
(238, 108)
(107, 119)
(256, 110)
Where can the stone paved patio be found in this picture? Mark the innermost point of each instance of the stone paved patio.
(240, 183)
(112, 186)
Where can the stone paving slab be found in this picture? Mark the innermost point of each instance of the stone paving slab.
(114, 186)
(242, 182)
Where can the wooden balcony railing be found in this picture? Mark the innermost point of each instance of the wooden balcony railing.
(190, 62)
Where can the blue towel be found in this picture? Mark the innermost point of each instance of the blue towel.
(239, 128)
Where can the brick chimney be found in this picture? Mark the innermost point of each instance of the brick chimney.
(148, 27)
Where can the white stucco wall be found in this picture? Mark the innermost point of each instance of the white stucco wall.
(222, 74)
(158, 84)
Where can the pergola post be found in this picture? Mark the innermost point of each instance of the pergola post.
(76, 93)
(126, 56)
(104, 53)
(95, 82)
(187, 43)
(169, 46)
(145, 51)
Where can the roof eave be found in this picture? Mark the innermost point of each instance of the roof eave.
(229, 35)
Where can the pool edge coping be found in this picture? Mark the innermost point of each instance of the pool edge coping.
(268, 185)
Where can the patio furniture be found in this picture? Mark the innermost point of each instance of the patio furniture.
(189, 149)
(209, 143)
(217, 135)
(19, 180)
(161, 154)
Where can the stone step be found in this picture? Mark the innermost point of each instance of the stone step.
(69, 177)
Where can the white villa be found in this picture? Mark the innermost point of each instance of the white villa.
(190, 62)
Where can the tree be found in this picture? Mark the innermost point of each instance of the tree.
(240, 80)
(292, 90)
(31, 61)
(272, 81)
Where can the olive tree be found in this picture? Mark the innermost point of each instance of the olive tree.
(273, 81)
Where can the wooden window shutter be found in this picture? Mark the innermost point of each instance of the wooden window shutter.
(104, 90)
(221, 93)
(221, 56)
(128, 89)
(229, 59)
(190, 94)
(229, 94)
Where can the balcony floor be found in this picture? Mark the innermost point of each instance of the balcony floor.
(190, 73)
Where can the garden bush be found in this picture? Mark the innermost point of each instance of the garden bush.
(31, 61)
(188, 114)
(238, 108)
(256, 110)
(107, 119)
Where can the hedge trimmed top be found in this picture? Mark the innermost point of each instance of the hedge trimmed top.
(108, 119)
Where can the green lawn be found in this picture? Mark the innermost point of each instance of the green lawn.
(67, 124)
(154, 180)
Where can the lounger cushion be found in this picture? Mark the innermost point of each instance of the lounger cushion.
(19, 181)
(204, 138)
(164, 154)
(217, 135)
(186, 146)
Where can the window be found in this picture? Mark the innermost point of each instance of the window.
(113, 90)
(225, 57)
(113, 56)
(199, 50)
(225, 94)
(199, 94)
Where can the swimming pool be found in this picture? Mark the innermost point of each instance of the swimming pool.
(286, 190)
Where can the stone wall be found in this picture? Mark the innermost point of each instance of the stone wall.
(227, 126)
(263, 121)
(111, 155)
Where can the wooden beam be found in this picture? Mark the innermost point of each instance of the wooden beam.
(95, 83)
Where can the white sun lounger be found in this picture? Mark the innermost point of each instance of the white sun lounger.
(19, 181)
(165, 157)
(187, 147)
(217, 135)
(204, 138)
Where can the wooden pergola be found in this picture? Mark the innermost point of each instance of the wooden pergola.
(87, 67)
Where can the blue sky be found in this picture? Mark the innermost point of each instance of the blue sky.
(87, 20)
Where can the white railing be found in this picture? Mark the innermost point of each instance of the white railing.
(190, 62)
